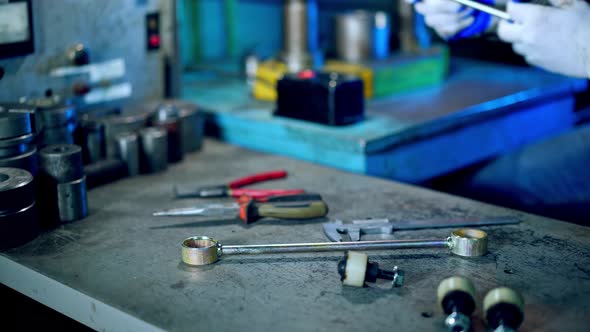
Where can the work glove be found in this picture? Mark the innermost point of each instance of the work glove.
(554, 38)
(452, 21)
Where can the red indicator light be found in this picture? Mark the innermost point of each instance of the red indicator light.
(306, 74)
(154, 41)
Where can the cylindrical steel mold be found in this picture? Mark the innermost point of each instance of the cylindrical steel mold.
(92, 141)
(154, 149)
(62, 162)
(17, 189)
(14, 124)
(72, 201)
(18, 228)
(128, 145)
(354, 36)
(26, 161)
(104, 171)
(295, 51)
(193, 126)
(116, 124)
(168, 117)
(56, 135)
(15, 146)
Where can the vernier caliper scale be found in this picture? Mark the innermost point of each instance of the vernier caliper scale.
(338, 231)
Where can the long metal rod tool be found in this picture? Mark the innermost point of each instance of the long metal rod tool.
(203, 250)
(486, 9)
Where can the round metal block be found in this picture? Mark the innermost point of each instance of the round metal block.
(14, 124)
(56, 135)
(62, 162)
(16, 146)
(193, 127)
(19, 227)
(128, 144)
(17, 189)
(56, 116)
(72, 201)
(117, 124)
(92, 139)
(200, 250)
(26, 161)
(154, 149)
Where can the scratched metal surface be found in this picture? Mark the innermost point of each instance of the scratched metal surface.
(124, 257)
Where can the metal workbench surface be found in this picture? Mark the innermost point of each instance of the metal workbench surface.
(120, 268)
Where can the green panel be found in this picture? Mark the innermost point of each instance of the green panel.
(410, 75)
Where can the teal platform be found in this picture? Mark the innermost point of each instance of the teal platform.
(481, 111)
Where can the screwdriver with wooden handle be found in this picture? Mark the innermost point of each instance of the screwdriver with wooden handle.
(301, 206)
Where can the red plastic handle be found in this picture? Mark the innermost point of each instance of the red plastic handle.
(263, 193)
(255, 178)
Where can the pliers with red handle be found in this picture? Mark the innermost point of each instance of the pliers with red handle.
(234, 188)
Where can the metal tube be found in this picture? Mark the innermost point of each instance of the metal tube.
(486, 9)
(335, 246)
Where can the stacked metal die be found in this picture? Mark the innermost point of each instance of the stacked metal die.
(168, 117)
(17, 147)
(192, 121)
(18, 213)
(55, 121)
(63, 183)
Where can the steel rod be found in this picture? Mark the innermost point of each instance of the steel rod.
(486, 9)
(334, 246)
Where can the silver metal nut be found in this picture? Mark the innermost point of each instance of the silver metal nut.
(398, 277)
(457, 322)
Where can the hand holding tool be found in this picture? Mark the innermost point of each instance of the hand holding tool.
(203, 250)
(232, 189)
(338, 231)
(302, 206)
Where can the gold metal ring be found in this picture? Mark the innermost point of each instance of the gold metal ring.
(200, 250)
(469, 242)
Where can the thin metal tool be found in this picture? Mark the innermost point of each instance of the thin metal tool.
(486, 9)
(338, 231)
(302, 206)
(203, 250)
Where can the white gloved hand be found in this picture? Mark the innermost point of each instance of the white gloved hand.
(555, 39)
(447, 18)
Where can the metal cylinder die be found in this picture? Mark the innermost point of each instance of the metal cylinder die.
(16, 133)
(193, 127)
(295, 53)
(92, 141)
(192, 122)
(28, 161)
(18, 228)
(15, 146)
(14, 124)
(168, 117)
(354, 40)
(17, 189)
(72, 201)
(104, 171)
(62, 162)
(202, 250)
(131, 121)
(55, 121)
(128, 151)
(153, 149)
